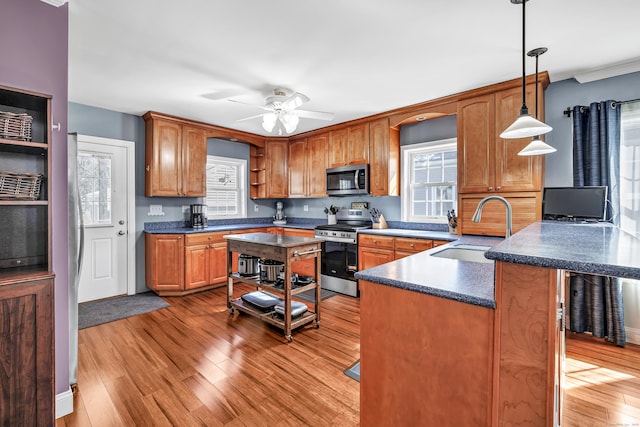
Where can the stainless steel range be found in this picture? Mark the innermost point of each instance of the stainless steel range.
(340, 256)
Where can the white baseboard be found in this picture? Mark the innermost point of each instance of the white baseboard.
(633, 335)
(64, 403)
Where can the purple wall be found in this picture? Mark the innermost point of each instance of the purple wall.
(35, 57)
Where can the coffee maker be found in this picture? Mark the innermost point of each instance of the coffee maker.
(279, 218)
(198, 216)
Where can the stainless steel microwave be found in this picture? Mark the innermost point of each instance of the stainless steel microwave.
(348, 180)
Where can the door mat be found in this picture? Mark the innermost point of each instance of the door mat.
(353, 371)
(104, 311)
(310, 295)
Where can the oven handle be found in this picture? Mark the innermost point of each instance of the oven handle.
(313, 251)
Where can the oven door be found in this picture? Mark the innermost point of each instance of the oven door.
(339, 264)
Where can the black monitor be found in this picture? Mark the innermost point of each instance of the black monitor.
(574, 203)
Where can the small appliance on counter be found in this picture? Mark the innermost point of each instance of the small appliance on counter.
(279, 218)
(198, 216)
(248, 265)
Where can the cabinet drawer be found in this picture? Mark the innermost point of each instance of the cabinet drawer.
(202, 238)
(374, 241)
(413, 245)
(437, 243)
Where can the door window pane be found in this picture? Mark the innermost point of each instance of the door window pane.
(94, 183)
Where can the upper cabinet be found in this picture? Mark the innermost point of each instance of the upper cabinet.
(176, 156)
(486, 162)
(349, 146)
(307, 166)
(384, 159)
(277, 153)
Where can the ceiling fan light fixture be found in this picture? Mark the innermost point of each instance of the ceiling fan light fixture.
(536, 147)
(269, 121)
(289, 121)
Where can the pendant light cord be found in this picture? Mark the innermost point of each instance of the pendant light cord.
(524, 109)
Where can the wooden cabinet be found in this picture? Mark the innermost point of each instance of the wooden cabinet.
(27, 357)
(164, 262)
(486, 162)
(526, 209)
(179, 264)
(384, 159)
(409, 246)
(175, 157)
(277, 152)
(349, 146)
(307, 166)
(375, 250)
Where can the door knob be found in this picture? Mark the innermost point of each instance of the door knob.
(121, 233)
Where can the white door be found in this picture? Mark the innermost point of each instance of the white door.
(103, 182)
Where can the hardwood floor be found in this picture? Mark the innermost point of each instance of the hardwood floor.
(193, 364)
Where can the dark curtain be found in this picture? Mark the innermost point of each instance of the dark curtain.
(596, 301)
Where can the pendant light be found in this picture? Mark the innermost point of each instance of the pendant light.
(525, 125)
(537, 146)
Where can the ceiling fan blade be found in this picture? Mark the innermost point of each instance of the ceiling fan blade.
(251, 105)
(224, 94)
(251, 118)
(294, 101)
(318, 115)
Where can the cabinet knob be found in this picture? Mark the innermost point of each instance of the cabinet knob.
(490, 188)
(498, 188)
(148, 168)
(411, 245)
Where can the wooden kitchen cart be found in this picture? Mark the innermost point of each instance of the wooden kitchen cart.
(285, 249)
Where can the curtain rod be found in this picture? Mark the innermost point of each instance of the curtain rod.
(569, 110)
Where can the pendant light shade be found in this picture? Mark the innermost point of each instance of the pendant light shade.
(536, 147)
(525, 125)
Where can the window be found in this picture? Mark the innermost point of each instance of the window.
(94, 183)
(629, 167)
(429, 181)
(226, 187)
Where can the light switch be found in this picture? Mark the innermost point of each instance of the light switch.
(305, 208)
(255, 208)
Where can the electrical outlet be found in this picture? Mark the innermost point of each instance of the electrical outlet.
(255, 208)
(305, 208)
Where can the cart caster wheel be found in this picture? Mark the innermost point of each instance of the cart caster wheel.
(317, 325)
(231, 310)
(289, 338)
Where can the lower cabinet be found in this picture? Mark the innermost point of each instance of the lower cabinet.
(164, 263)
(375, 249)
(27, 355)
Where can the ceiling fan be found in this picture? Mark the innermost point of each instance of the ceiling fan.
(283, 113)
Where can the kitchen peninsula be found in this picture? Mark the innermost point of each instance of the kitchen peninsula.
(450, 343)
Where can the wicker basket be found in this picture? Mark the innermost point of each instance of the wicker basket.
(19, 186)
(15, 126)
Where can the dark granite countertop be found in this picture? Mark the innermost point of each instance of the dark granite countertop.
(464, 281)
(273, 239)
(599, 248)
(182, 229)
(418, 234)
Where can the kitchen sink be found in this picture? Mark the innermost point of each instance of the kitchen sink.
(470, 253)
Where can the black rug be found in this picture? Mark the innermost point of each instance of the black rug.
(108, 310)
(353, 371)
(310, 295)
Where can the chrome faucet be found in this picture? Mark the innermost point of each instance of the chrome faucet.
(478, 214)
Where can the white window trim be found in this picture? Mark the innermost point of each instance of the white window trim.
(405, 195)
(242, 187)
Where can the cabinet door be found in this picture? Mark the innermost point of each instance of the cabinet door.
(194, 162)
(196, 266)
(305, 267)
(163, 158)
(513, 172)
(338, 151)
(371, 257)
(277, 153)
(358, 144)
(317, 154)
(218, 262)
(526, 209)
(476, 135)
(27, 343)
(164, 262)
(384, 159)
(298, 168)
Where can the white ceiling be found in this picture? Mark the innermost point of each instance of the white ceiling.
(351, 57)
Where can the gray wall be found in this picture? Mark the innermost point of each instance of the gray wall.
(567, 93)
